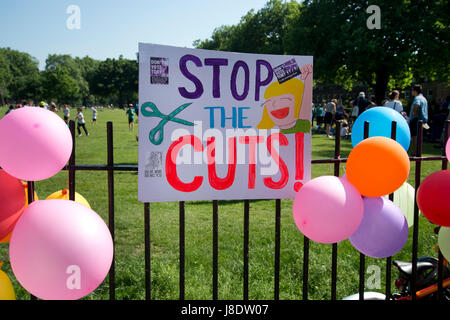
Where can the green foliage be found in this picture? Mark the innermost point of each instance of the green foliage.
(115, 79)
(19, 75)
(260, 32)
(81, 81)
(412, 42)
(5, 78)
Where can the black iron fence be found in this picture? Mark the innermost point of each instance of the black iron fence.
(110, 167)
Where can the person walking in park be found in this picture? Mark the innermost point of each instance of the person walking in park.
(320, 115)
(361, 102)
(330, 110)
(130, 114)
(418, 112)
(94, 115)
(66, 112)
(394, 102)
(81, 122)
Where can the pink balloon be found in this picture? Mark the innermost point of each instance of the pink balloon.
(328, 209)
(447, 149)
(34, 143)
(60, 250)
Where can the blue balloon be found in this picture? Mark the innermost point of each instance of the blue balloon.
(380, 122)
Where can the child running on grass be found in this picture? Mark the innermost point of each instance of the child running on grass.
(81, 122)
(130, 113)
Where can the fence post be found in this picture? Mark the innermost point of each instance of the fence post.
(277, 249)
(440, 295)
(182, 250)
(30, 195)
(246, 240)
(215, 249)
(391, 197)
(337, 156)
(362, 257)
(110, 149)
(72, 163)
(416, 209)
(147, 245)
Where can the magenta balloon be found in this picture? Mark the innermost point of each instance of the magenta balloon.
(328, 209)
(447, 149)
(60, 250)
(383, 230)
(34, 143)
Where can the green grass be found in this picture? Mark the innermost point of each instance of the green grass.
(129, 233)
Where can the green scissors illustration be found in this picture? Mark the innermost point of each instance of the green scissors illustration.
(156, 135)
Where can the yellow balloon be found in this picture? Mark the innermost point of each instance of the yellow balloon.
(6, 288)
(404, 199)
(64, 194)
(444, 242)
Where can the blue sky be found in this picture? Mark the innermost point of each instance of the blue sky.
(112, 27)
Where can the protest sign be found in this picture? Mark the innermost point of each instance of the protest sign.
(221, 125)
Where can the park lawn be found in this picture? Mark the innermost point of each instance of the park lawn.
(129, 232)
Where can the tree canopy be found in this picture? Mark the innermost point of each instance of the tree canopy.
(411, 43)
(66, 79)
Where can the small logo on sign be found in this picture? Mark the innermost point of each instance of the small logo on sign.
(286, 71)
(159, 70)
(153, 167)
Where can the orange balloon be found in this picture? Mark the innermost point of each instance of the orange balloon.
(377, 166)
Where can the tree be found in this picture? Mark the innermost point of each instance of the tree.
(409, 43)
(23, 73)
(263, 31)
(5, 78)
(61, 86)
(64, 79)
(116, 80)
(87, 67)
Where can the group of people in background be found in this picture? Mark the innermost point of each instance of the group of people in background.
(132, 111)
(326, 114)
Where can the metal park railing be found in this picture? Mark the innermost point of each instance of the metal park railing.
(111, 168)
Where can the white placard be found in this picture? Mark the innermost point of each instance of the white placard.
(219, 125)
